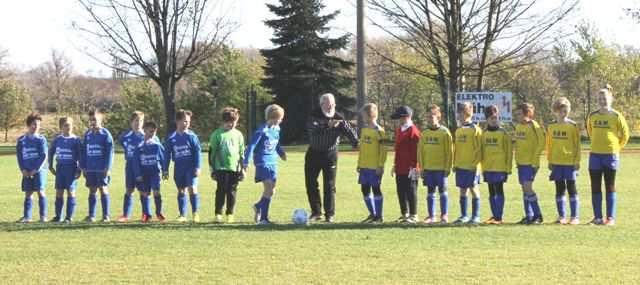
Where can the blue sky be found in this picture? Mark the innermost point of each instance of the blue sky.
(31, 28)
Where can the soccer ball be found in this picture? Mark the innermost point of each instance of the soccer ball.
(300, 217)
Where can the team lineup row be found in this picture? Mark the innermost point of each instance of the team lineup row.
(431, 155)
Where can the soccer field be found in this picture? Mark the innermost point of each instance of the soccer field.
(345, 252)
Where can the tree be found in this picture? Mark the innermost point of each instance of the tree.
(15, 102)
(3, 69)
(165, 40)
(53, 77)
(304, 64)
(137, 95)
(466, 40)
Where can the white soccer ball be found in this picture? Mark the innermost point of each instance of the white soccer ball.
(300, 217)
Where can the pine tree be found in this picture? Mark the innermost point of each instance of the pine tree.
(303, 64)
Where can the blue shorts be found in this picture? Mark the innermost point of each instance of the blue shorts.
(266, 172)
(495, 177)
(36, 183)
(96, 179)
(66, 177)
(369, 177)
(434, 178)
(563, 172)
(130, 179)
(526, 173)
(467, 178)
(603, 161)
(150, 182)
(185, 178)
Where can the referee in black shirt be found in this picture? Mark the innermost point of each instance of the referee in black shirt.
(324, 127)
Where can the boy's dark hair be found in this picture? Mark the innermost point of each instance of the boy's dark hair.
(490, 111)
(64, 120)
(95, 112)
(32, 118)
(527, 109)
(182, 114)
(136, 115)
(230, 114)
(149, 125)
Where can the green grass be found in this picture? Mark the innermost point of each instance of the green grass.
(346, 252)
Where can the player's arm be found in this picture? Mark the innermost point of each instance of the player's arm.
(477, 144)
(350, 133)
(419, 152)
(589, 126)
(196, 151)
(20, 159)
(213, 148)
(83, 155)
(508, 148)
(42, 155)
(624, 131)
(448, 150)
(52, 152)
(547, 144)
(540, 144)
(251, 147)
(109, 153)
(167, 155)
(241, 151)
(382, 151)
(576, 147)
(137, 168)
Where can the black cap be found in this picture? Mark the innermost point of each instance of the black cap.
(403, 111)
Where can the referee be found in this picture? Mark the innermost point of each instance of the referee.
(324, 127)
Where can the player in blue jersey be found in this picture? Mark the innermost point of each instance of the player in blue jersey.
(66, 149)
(96, 161)
(265, 148)
(183, 147)
(31, 151)
(148, 159)
(129, 141)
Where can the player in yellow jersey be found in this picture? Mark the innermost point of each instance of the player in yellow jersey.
(435, 157)
(497, 162)
(563, 154)
(467, 155)
(529, 143)
(609, 133)
(371, 161)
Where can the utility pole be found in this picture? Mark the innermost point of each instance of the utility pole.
(361, 78)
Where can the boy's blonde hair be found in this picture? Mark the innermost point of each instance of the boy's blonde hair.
(561, 103)
(136, 115)
(435, 109)
(466, 108)
(273, 111)
(606, 90)
(64, 120)
(370, 109)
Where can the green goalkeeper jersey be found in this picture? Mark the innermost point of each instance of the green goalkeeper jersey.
(226, 150)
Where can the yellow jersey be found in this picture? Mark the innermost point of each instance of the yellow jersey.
(563, 143)
(435, 149)
(468, 147)
(529, 144)
(373, 153)
(497, 151)
(608, 132)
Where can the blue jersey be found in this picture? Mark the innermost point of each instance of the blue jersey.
(129, 142)
(97, 151)
(31, 151)
(66, 150)
(148, 158)
(264, 146)
(184, 149)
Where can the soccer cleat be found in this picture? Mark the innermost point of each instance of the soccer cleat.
(597, 222)
(56, 219)
(146, 218)
(493, 221)
(43, 219)
(218, 219)
(106, 219)
(474, 221)
(24, 220)
(524, 221)
(574, 221)
(561, 221)
(123, 219)
(368, 219)
(68, 220)
(377, 220)
(461, 220)
(196, 217)
(429, 220)
(401, 219)
(413, 219)
(181, 219)
(444, 219)
(315, 218)
(230, 219)
(90, 219)
(610, 222)
(256, 214)
(265, 222)
(160, 218)
(329, 220)
(536, 220)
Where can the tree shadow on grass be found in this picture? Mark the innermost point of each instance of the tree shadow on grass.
(35, 227)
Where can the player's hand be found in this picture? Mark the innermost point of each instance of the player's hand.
(393, 171)
(213, 176)
(139, 178)
(379, 171)
(447, 173)
(283, 157)
(245, 167)
(550, 167)
(577, 167)
(52, 170)
(197, 172)
(165, 175)
(358, 169)
(78, 174)
(334, 123)
(107, 173)
(25, 173)
(33, 173)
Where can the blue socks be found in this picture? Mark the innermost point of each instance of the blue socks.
(535, 206)
(596, 202)
(145, 203)
(195, 202)
(561, 207)
(105, 200)
(499, 206)
(377, 203)
(528, 211)
(611, 205)
(158, 201)
(492, 205)
(71, 207)
(182, 204)
(464, 201)
(574, 204)
(444, 203)
(263, 207)
(28, 205)
(58, 207)
(475, 208)
(127, 205)
(431, 204)
(93, 201)
(42, 205)
(368, 201)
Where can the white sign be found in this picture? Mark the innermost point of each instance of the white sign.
(481, 100)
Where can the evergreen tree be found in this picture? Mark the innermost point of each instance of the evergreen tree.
(304, 65)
